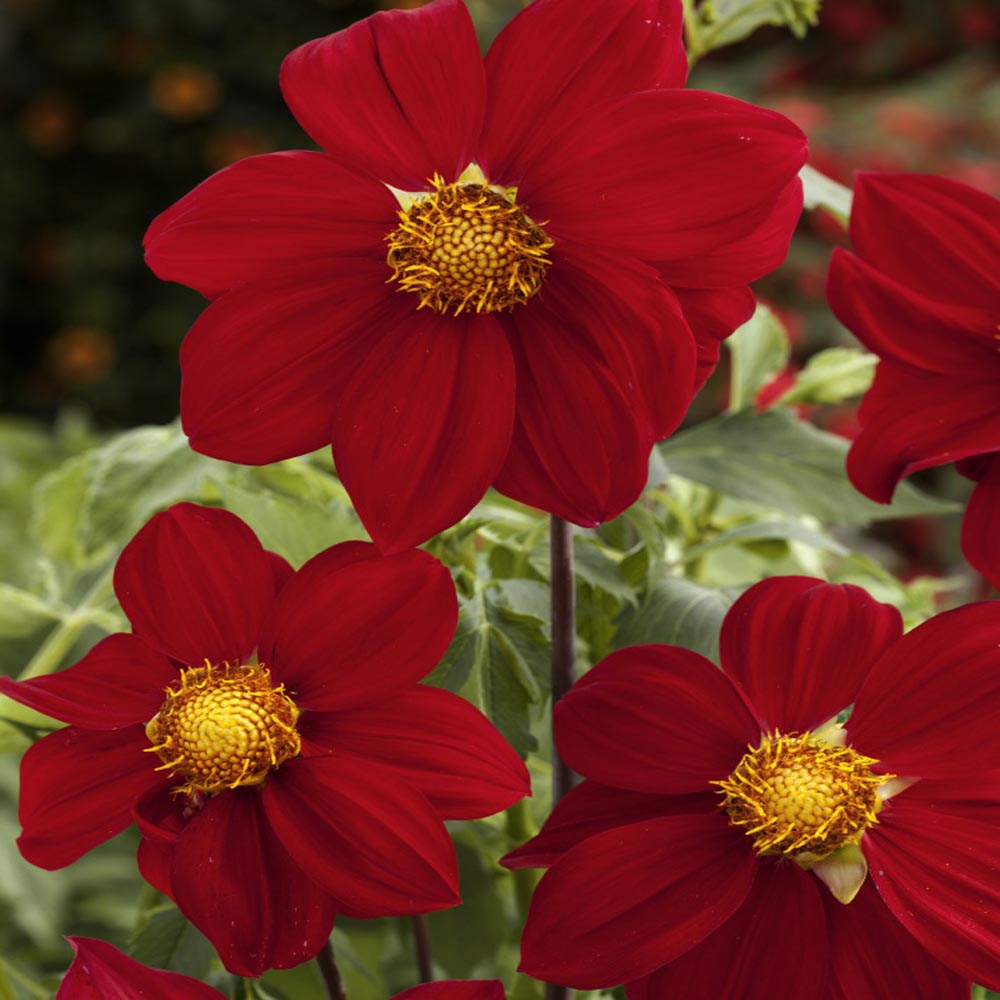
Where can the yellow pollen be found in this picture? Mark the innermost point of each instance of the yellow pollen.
(798, 795)
(225, 726)
(468, 247)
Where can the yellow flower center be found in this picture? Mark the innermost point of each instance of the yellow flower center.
(468, 246)
(798, 795)
(225, 726)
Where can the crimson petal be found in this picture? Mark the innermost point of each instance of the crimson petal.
(661, 886)
(665, 174)
(550, 66)
(455, 989)
(296, 339)
(399, 95)
(196, 584)
(657, 719)
(872, 956)
(353, 627)
(748, 957)
(118, 683)
(591, 808)
(424, 425)
(713, 314)
(981, 524)
(364, 834)
(929, 705)
(436, 742)
(233, 880)
(935, 864)
(77, 790)
(267, 214)
(101, 972)
(800, 648)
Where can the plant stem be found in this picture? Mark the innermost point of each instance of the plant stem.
(521, 828)
(692, 33)
(330, 973)
(422, 943)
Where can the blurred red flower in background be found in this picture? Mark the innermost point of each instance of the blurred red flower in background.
(654, 882)
(267, 732)
(575, 239)
(922, 291)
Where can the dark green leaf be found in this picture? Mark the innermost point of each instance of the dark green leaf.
(165, 940)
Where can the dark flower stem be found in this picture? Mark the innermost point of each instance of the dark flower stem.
(422, 943)
(563, 659)
(330, 973)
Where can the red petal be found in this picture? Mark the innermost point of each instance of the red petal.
(800, 648)
(77, 790)
(581, 441)
(911, 422)
(929, 706)
(267, 214)
(118, 683)
(872, 956)
(773, 946)
(624, 317)
(654, 719)
(234, 881)
(902, 325)
(422, 429)
(713, 314)
(665, 175)
(353, 627)
(196, 584)
(661, 886)
(550, 66)
(745, 259)
(436, 742)
(591, 808)
(101, 972)
(954, 225)
(364, 834)
(455, 989)
(398, 95)
(263, 365)
(981, 524)
(935, 864)
(281, 568)
(155, 862)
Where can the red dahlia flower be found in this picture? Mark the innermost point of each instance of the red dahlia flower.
(923, 293)
(455, 989)
(722, 843)
(101, 972)
(267, 732)
(492, 272)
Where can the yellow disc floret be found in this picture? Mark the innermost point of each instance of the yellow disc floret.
(226, 725)
(801, 796)
(468, 247)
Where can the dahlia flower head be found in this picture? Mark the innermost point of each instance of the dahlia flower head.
(513, 271)
(267, 732)
(733, 839)
(922, 291)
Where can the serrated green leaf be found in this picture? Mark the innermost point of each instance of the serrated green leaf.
(833, 375)
(22, 613)
(164, 939)
(677, 612)
(759, 350)
(778, 461)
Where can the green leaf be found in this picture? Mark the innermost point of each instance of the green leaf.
(833, 375)
(22, 613)
(499, 660)
(678, 612)
(821, 191)
(776, 460)
(759, 350)
(165, 940)
(787, 531)
(729, 21)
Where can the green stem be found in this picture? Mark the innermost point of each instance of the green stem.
(60, 640)
(692, 33)
(521, 828)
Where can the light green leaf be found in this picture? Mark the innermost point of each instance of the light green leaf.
(22, 613)
(776, 460)
(726, 22)
(678, 612)
(833, 375)
(787, 531)
(759, 350)
(165, 940)
(821, 191)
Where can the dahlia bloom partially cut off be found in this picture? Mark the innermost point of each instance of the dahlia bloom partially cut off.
(746, 844)
(267, 732)
(511, 272)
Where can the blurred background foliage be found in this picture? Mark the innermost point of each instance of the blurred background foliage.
(112, 111)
